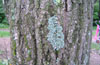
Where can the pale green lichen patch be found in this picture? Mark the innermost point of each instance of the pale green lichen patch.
(55, 35)
(29, 55)
(56, 2)
(13, 16)
(86, 59)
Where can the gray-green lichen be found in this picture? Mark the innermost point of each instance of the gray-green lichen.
(13, 16)
(56, 2)
(55, 35)
(86, 59)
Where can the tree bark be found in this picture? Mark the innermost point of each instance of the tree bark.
(28, 25)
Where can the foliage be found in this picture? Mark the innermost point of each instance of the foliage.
(55, 35)
(96, 10)
(3, 18)
(3, 26)
(4, 34)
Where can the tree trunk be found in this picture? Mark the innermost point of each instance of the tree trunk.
(50, 32)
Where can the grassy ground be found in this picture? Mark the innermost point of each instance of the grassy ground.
(4, 34)
(95, 46)
(94, 30)
(93, 33)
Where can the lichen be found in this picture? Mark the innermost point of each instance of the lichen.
(29, 55)
(13, 16)
(55, 35)
(57, 60)
(86, 59)
(56, 2)
(47, 63)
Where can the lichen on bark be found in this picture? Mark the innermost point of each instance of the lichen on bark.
(55, 35)
(30, 28)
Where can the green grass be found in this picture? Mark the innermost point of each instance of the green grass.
(93, 33)
(4, 26)
(94, 30)
(95, 46)
(4, 34)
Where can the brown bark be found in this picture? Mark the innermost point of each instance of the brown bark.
(29, 20)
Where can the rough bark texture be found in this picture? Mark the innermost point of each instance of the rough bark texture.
(29, 21)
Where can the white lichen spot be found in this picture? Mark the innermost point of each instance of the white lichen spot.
(75, 21)
(29, 36)
(12, 10)
(15, 36)
(57, 60)
(89, 33)
(74, 47)
(13, 17)
(71, 30)
(3, 1)
(73, 63)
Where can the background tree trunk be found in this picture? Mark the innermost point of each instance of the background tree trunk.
(29, 21)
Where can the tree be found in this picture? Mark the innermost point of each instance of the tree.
(50, 32)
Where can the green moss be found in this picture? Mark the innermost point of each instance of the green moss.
(14, 48)
(29, 58)
(25, 39)
(26, 42)
(40, 45)
(29, 55)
